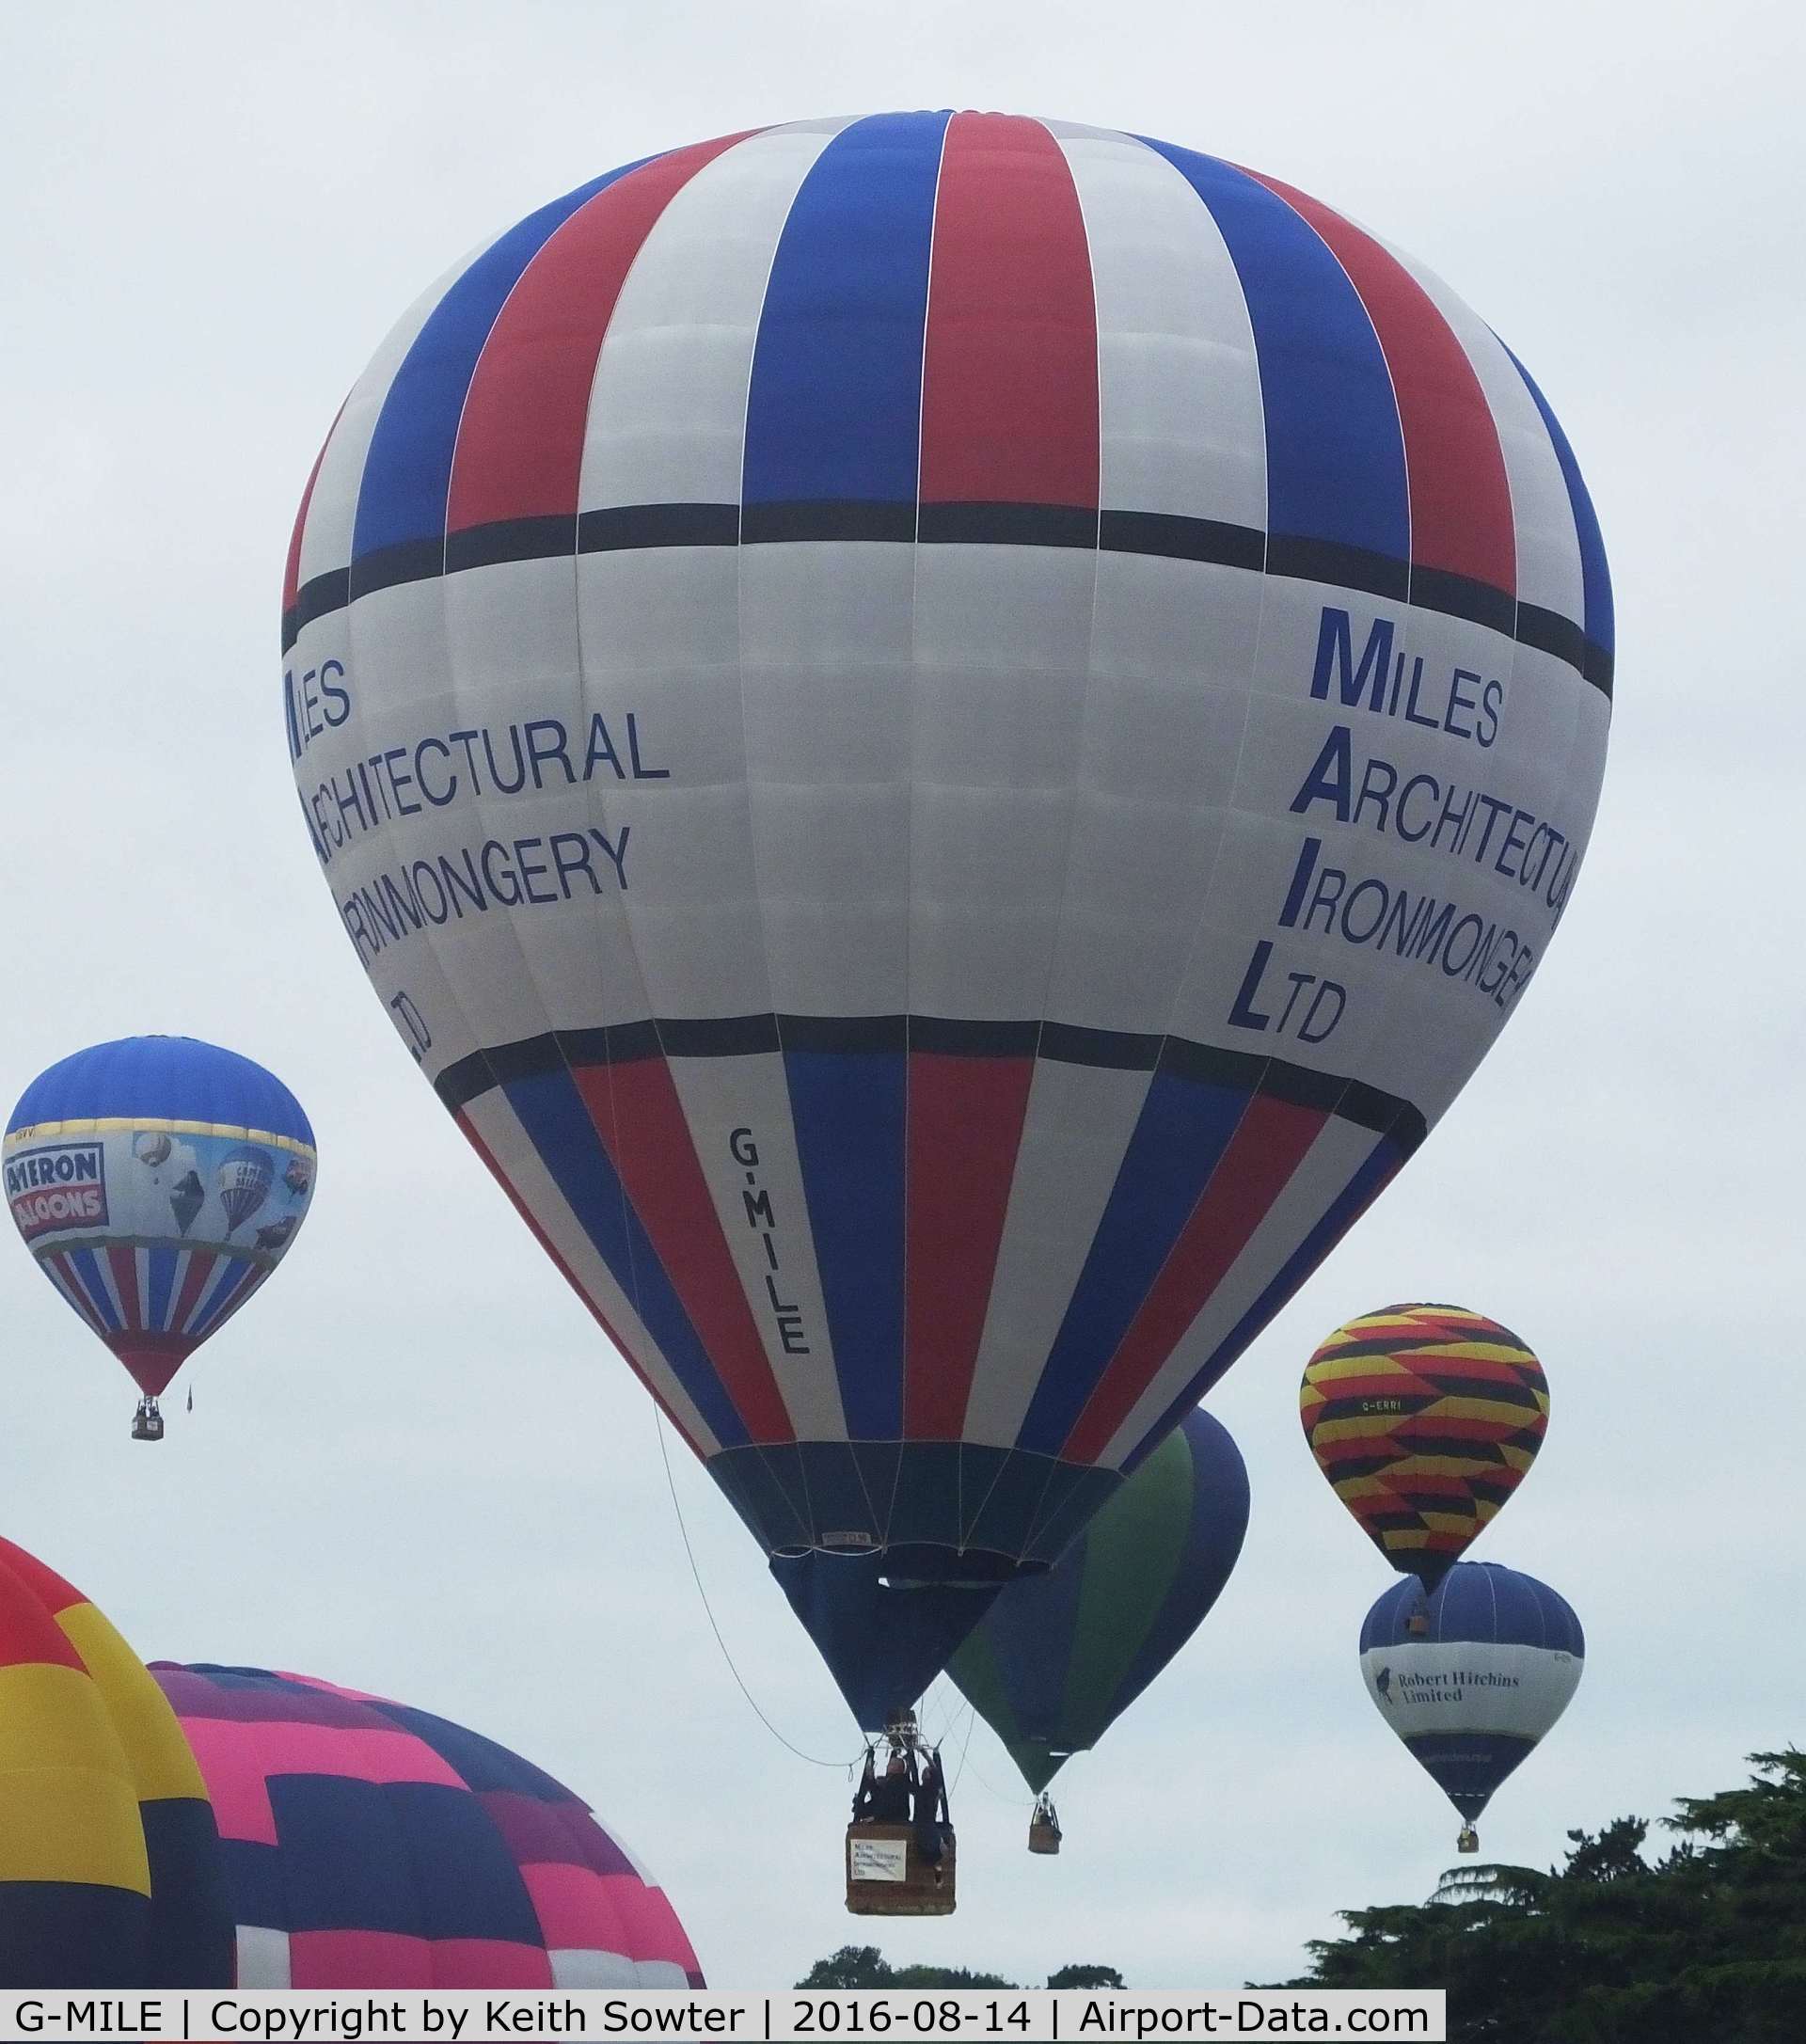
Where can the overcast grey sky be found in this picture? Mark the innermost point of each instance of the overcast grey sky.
(415, 1467)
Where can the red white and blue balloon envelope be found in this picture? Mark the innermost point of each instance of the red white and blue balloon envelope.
(1473, 1695)
(131, 1170)
(946, 736)
(370, 1845)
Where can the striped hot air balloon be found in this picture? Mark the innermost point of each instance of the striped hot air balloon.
(110, 1873)
(370, 1845)
(1057, 1658)
(946, 736)
(1424, 1420)
(129, 1165)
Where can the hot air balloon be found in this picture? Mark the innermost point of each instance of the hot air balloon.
(370, 1845)
(1473, 1692)
(110, 1873)
(245, 1175)
(151, 1148)
(945, 736)
(1058, 1658)
(100, 1226)
(1423, 1418)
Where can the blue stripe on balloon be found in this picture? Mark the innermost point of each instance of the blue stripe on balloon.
(256, 1881)
(161, 1288)
(479, 1763)
(849, 1111)
(413, 1859)
(407, 472)
(834, 409)
(234, 1279)
(1335, 450)
(73, 1933)
(70, 1289)
(1379, 1163)
(558, 1124)
(1596, 578)
(1183, 1128)
(87, 1268)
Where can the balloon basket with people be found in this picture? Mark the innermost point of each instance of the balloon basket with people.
(1044, 1826)
(900, 1846)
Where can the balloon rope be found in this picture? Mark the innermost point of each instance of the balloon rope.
(1002, 1794)
(659, 1421)
(965, 1746)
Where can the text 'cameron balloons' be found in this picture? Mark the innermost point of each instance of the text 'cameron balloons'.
(1472, 1697)
(1424, 1418)
(130, 1168)
(946, 734)
(1057, 1658)
(110, 1860)
(370, 1845)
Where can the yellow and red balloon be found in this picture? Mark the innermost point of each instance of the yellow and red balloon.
(1424, 1420)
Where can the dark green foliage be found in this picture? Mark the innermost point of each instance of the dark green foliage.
(1612, 1947)
(866, 1966)
(852, 1965)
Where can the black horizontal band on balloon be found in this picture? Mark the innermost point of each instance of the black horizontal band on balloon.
(1427, 1344)
(1156, 535)
(940, 1511)
(742, 1035)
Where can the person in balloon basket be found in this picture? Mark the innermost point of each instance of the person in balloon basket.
(884, 1798)
(933, 1819)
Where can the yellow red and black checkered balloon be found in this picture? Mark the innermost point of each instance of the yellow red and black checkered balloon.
(1424, 1418)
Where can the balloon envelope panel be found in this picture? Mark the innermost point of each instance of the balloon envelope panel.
(157, 1180)
(109, 1859)
(1057, 1658)
(1424, 1420)
(1472, 1697)
(946, 736)
(369, 1845)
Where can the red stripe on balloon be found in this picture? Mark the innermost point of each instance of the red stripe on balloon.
(153, 1359)
(641, 1123)
(965, 1125)
(292, 572)
(1461, 500)
(1010, 384)
(68, 1280)
(49, 1588)
(1268, 1145)
(124, 1265)
(28, 1634)
(520, 441)
(570, 1277)
(201, 1266)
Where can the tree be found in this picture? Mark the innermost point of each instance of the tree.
(1612, 1947)
(852, 1965)
(866, 1966)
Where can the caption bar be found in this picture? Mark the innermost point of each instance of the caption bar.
(461, 2017)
